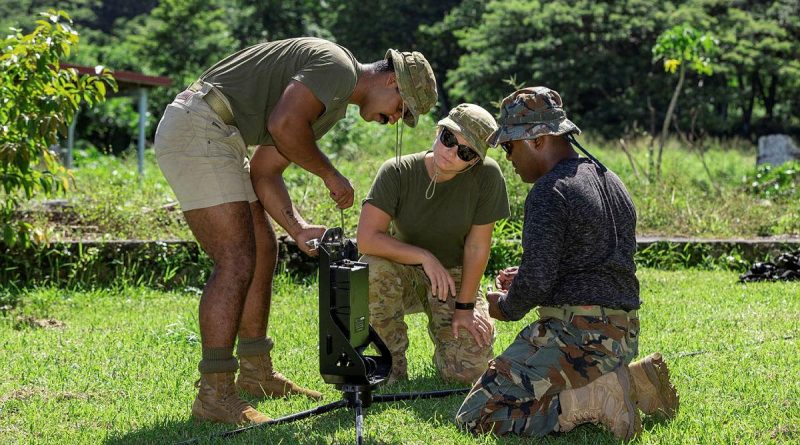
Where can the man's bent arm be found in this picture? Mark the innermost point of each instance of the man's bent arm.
(543, 240)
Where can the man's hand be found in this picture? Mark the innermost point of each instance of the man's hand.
(307, 233)
(442, 284)
(340, 188)
(505, 277)
(476, 324)
(494, 309)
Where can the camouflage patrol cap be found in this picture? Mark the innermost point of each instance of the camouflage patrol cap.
(416, 82)
(474, 123)
(529, 113)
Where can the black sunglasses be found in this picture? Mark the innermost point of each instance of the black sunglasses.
(507, 147)
(449, 140)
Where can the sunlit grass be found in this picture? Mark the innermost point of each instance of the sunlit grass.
(123, 367)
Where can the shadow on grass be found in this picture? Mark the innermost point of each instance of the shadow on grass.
(338, 426)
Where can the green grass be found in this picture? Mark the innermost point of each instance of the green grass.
(110, 201)
(121, 369)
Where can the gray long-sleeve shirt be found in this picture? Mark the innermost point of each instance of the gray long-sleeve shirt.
(578, 241)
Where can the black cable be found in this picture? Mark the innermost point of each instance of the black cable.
(418, 395)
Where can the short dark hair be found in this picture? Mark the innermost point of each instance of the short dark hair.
(384, 66)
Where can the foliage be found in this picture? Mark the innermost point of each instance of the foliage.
(599, 57)
(38, 100)
(779, 183)
(506, 248)
(681, 47)
(599, 61)
(160, 265)
(254, 21)
(678, 256)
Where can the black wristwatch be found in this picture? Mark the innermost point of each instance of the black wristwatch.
(465, 306)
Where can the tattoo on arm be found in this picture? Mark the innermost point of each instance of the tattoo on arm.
(290, 218)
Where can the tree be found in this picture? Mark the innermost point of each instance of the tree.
(682, 47)
(596, 54)
(39, 99)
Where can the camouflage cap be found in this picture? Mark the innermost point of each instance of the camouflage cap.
(416, 82)
(529, 113)
(474, 123)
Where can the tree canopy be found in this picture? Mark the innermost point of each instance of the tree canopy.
(596, 54)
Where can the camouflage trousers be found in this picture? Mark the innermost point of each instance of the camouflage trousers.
(518, 394)
(398, 289)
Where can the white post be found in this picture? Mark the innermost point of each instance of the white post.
(142, 123)
(71, 140)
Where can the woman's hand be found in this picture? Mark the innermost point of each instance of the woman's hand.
(442, 284)
(475, 323)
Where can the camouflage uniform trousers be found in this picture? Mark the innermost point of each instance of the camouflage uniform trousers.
(518, 394)
(398, 289)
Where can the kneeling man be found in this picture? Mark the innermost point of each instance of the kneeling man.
(570, 366)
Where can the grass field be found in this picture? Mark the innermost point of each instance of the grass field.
(118, 365)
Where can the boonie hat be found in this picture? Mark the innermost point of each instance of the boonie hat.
(532, 112)
(416, 82)
(474, 123)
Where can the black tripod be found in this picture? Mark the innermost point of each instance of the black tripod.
(344, 337)
(357, 398)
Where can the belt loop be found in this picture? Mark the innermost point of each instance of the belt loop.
(603, 314)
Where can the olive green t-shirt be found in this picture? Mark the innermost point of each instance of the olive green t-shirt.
(440, 224)
(254, 78)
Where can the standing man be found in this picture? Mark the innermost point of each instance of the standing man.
(571, 365)
(282, 96)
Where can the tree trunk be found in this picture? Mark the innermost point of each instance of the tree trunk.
(771, 97)
(668, 118)
(747, 106)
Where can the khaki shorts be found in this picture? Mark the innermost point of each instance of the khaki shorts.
(204, 160)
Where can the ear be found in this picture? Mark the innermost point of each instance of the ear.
(391, 80)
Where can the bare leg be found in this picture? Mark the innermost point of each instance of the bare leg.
(225, 232)
(255, 316)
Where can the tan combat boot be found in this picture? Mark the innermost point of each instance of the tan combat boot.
(655, 394)
(608, 400)
(257, 378)
(217, 401)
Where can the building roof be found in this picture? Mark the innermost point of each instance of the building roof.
(126, 79)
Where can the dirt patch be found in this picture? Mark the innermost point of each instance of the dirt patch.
(28, 393)
(785, 432)
(39, 323)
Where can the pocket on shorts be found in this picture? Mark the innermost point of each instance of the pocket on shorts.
(224, 140)
(177, 131)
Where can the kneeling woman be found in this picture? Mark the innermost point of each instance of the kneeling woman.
(425, 230)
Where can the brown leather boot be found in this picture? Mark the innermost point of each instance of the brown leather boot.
(217, 401)
(655, 394)
(257, 378)
(608, 400)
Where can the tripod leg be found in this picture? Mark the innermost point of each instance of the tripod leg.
(286, 419)
(359, 421)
